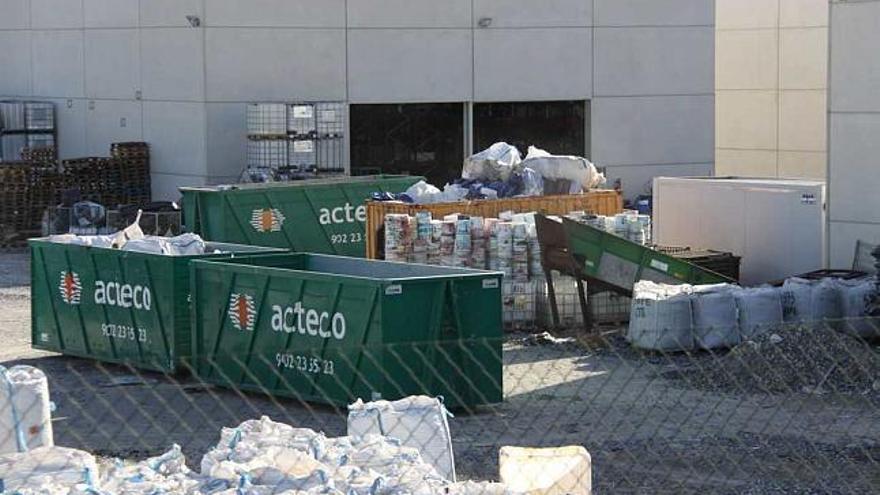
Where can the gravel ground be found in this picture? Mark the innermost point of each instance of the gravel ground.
(647, 430)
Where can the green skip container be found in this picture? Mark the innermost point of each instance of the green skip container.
(331, 329)
(318, 216)
(117, 306)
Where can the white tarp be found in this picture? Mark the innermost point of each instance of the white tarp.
(419, 422)
(25, 409)
(555, 471)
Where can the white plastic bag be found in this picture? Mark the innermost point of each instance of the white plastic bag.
(661, 318)
(25, 409)
(715, 317)
(47, 467)
(423, 193)
(576, 169)
(495, 163)
(419, 422)
(554, 471)
(760, 311)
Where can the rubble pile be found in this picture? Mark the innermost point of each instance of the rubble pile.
(813, 359)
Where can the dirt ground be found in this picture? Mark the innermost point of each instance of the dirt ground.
(647, 432)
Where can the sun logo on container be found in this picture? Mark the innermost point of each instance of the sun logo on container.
(242, 312)
(267, 220)
(70, 288)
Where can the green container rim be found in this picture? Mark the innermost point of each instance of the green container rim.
(329, 181)
(446, 273)
(232, 249)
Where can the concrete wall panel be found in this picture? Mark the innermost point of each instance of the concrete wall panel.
(112, 63)
(653, 130)
(110, 121)
(16, 14)
(654, 61)
(110, 13)
(268, 64)
(227, 148)
(747, 59)
(58, 64)
(654, 13)
(169, 13)
(855, 170)
(528, 13)
(172, 64)
(176, 133)
(409, 13)
(56, 14)
(275, 13)
(533, 64)
(401, 65)
(855, 76)
(70, 121)
(15, 59)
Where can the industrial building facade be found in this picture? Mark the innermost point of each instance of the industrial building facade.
(628, 83)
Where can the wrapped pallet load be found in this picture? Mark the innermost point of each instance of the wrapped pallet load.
(715, 316)
(553, 471)
(418, 422)
(25, 409)
(661, 317)
(582, 174)
(760, 311)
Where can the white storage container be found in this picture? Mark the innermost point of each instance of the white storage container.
(554, 471)
(777, 226)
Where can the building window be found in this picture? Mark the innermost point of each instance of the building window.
(559, 127)
(417, 139)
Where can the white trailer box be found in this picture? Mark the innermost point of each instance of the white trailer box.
(777, 226)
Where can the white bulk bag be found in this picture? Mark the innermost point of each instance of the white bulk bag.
(715, 317)
(856, 297)
(47, 467)
(419, 422)
(797, 300)
(661, 318)
(477, 488)
(826, 301)
(760, 311)
(166, 473)
(555, 471)
(25, 409)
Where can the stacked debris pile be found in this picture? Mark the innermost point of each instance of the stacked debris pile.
(794, 359)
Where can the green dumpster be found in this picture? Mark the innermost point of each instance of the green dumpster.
(330, 329)
(116, 306)
(318, 216)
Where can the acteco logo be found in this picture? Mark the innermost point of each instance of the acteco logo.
(70, 288)
(267, 220)
(242, 312)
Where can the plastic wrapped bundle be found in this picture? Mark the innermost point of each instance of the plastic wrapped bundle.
(519, 304)
(536, 267)
(825, 301)
(478, 243)
(553, 471)
(462, 251)
(433, 247)
(496, 163)
(520, 248)
(504, 245)
(447, 242)
(398, 237)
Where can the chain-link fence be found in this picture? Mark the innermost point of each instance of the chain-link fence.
(796, 410)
